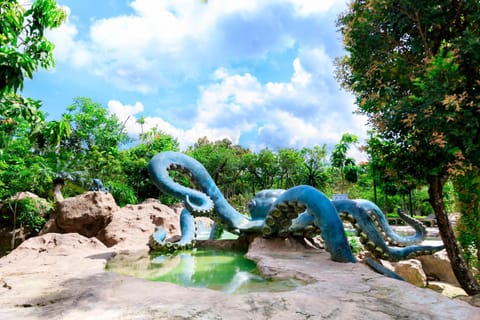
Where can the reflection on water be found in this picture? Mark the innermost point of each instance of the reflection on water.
(226, 271)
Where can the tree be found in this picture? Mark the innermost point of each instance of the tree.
(468, 193)
(20, 168)
(222, 160)
(314, 165)
(414, 68)
(82, 145)
(134, 163)
(23, 49)
(290, 164)
(391, 180)
(95, 137)
(346, 166)
(265, 170)
(23, 46)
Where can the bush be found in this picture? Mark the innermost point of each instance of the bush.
(27, 212)
(122, 193)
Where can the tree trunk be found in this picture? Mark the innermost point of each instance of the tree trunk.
(459, 266)
(57, 192)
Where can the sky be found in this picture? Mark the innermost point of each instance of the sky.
(258, 72)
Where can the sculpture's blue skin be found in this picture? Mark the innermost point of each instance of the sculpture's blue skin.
(98, 186)
(198, 203)
(187, 241)
(296, 200)
(357, 213)
(388, 234)
(259, 206)
(302, 210)
(369, 209)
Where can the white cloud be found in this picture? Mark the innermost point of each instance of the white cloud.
(303, 112)
(309, 7)
(165, 41)
(218, 47)
(67, 49)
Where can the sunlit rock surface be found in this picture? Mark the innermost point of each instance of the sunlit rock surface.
(61, 276)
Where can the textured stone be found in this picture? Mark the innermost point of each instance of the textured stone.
(437, 266)
(85, 214)
(446, 289)
(411, 270)
(130, 227)
(63, 277)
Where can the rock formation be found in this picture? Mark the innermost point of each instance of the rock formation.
(62, 276)
(85, 214)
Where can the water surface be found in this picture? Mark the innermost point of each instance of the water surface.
(227, 271)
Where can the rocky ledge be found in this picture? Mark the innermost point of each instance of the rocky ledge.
(63, 276)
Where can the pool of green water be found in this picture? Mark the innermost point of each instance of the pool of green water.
(226, 271)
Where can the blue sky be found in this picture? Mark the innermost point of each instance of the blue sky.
(257, 72)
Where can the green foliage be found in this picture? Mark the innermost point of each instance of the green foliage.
(259, 170)
(314, 171)
(28, 212)
(240, 201)
(23, 46)
(19, 125)
(95, 135)
(134, 162)
(346, 166)
(415, 70)
(354, 242)
(222, 160)
(290, 163)
(238, 171)
(468, 228)
(418, 85)
(84, 144)
(122, 193)
(23, 49)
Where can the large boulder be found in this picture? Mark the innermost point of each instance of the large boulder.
(128, 229)
(43, 268)
(85, 214)
(131, 226)
(438, 268)
(411, 270)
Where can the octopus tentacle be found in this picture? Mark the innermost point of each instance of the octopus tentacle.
(372, 239)
(301, 224)
(302, 210)
(187, 241)
(295, 201)
(304, 225)
(198, 203)
(390, 235)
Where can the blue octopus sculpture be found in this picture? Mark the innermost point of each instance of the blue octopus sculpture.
(300, 211)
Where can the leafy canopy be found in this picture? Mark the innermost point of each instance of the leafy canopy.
(23, 46)
(414, 68)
